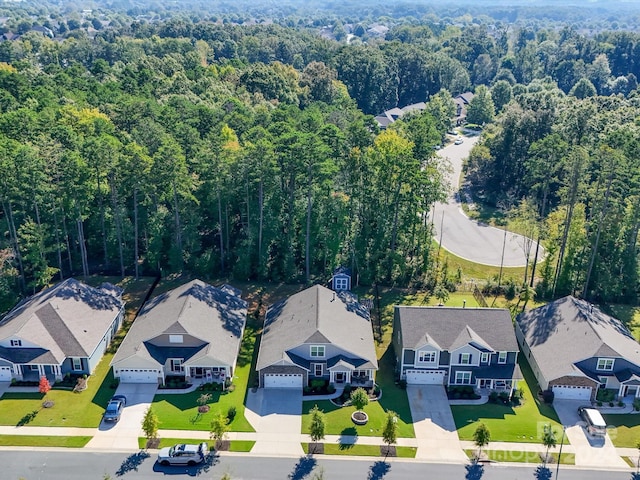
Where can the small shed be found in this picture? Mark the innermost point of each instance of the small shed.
(341, 280)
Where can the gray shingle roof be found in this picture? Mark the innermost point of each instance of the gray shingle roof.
(451, 328)
(316, 315)
(66, 320)
(214, 317)
(577, 330)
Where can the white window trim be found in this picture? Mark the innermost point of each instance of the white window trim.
(605, 361)
(77, 367)
(484, 357)
(341, 283)
(315, 369)
(463, 356)
(502, 360)
(460, 374)
(427, 352)
(321, 351)
(173, 361)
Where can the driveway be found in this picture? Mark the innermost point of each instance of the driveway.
(590, 451)
(124, 434)
(467, 238)
(433, 423)
(276, 416)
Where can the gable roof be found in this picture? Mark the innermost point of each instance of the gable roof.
(577, 329)
(214, 318)
(316, 315)
(66, 320)
(451, 328)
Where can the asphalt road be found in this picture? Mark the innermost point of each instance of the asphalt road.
(83, 465)
(468, 238)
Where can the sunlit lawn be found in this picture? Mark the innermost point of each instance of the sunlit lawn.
(71, 409)
(361, 450)
(512, 456)
(338, 419)
(623, 429)
(509, 424)
(180, 411)
(43, 441)
(235, 445)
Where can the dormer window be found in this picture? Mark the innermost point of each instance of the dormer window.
(176, 339)
(427, 357)
(16, 343)
(317, 351)
(605, 364)
(484, 357)
(502, 357)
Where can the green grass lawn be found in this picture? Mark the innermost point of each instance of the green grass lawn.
(71, 409)
(338, 419)
(361, 450)
(509, 424)
(43, 441)
(235, 445)
(523, 457)
(180, 412)
(623, 429)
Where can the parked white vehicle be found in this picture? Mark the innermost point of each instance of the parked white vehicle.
(595, 423)
(183, 454)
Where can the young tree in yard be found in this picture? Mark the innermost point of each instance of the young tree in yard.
(548, 440)
(44, 386)
(316, 430)
(359, 398)
(390, 431)
(150, 425)
(441, 293)
(481, 437)
(219, 428)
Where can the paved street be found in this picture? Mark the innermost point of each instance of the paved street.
(435, 429)
(467, 238)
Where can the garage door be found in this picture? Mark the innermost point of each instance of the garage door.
(140, 375)
(425, 377)
(5, 374)
(282, 380)
(569, 392)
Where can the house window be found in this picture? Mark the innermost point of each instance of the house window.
(427, 357)
(77, 364)
(605, 364)
(463, 378)
(464, 359)
(484, 357)
(16, 343)
(603, 382)
(361, 373)
(176, 365)
(502, 357)
(317, 369)
(317, 351)
(176, 339)
(341, 283)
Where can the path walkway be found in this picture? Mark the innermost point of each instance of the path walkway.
(467, 238)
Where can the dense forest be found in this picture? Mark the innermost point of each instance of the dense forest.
(150, 141)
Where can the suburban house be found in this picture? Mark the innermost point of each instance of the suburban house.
(462, 101)
(456, 346)
(192, 332)
(574, 349)
(317, 334)
(389, 116)
(63, 329)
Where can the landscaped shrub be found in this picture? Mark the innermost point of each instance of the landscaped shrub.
(606, 395)
(504, 397)
(231, 413)
(402, 384)
(317, 383)
(456, 395)
(306, 390)
(493, 397)
(620, 403)
(636, 404)
(331, 389)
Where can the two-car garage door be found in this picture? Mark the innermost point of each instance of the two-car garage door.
(425, 377)
(138, 375)
(571, 392)
(283, 380)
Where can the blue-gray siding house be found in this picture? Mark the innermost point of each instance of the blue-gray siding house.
(63, 329)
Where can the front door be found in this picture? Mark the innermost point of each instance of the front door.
(339, 377)
(485, 383)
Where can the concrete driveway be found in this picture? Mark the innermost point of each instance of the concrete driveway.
(124, 434)
(433, 423)
(276, 416)
(590, 451)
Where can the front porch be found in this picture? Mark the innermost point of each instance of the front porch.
(357, 378)
(485, 386)
(33, 373)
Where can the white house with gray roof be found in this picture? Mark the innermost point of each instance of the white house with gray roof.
(456, 346)
(317, 334)
(63, 329)
(193, 332)
(574, 348)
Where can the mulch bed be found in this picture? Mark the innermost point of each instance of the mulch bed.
(223, 445)
(316, 448)
(388, 450)
(153, 443)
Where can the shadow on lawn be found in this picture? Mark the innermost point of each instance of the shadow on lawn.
(393, 397)
(28, 418)
(303, 468)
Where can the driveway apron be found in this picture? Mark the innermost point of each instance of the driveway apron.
(433, 424)
(124, 434)
(590, 451)
(276, 416)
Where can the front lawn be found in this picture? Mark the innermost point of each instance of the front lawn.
(509, 424)
(71, 409)
(235, 445)
(180, 411)
(338, 419)
(43, 441)
(623, 429)
(523, 457)
(362, 450)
